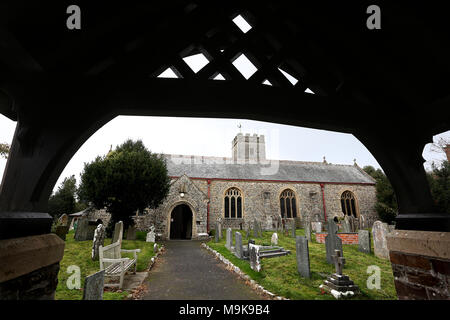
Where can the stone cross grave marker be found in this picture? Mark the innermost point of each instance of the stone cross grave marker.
(99, 239)
(118, 232)
(131, 233)
(229, 239)
(379, 232)
(238, 250)
(302, 249)
(339, 261)
(332, 241)
(93, 286)
(274, 239)
(151, 235)
(364, 243)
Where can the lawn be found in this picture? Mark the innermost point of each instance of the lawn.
(279, 275)
(79, 253)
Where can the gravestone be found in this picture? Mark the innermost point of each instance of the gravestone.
(82, 230)
(216, 233)
(93, 286)
(118, 232)
(354, 224)
(293, 229)
(63, 220)
(229, 239)
(151, 235)
(254, 257)
(332, 241)
(308, 230)
(247, 236)
(238, 250)
(255, 229)
(316, 226)
(346, 225)
(364, 243)
(219, 229)
(379, 232)
(362, 222)
(251, 241)
(131, 233)
(99, 239)
(61, 231)
(303, 268)
(274, 240)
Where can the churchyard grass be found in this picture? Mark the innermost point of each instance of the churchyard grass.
(280, 276)
(79, 253)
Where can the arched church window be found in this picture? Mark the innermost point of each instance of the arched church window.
(348, 204)
(288, 204)
(233, 203)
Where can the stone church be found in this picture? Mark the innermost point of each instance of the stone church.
(248, 186)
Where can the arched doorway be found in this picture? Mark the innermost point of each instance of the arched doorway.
(181, 222)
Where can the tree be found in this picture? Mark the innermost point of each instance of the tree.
(127, 179)
(386, 205)
(4, 150)
(63, 200)
(439, 181)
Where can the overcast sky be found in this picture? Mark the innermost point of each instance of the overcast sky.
(212, 137)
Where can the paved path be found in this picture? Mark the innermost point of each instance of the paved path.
(188, 272)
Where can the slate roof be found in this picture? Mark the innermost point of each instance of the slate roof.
(282, 170)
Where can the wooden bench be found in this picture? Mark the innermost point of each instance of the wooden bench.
(114, 265)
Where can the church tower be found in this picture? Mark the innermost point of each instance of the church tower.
(248, 149)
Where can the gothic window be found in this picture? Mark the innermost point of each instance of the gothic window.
(348, 204)
(233, 204)
(288, 205)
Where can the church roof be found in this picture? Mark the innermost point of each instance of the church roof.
(282, 170)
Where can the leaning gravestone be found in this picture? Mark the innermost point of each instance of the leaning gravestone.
(93, 286)
(131, 233)
(238, 250)
(151, 235)
(332, 241)
(61, 231)
(303, 268)
(99, 239)
(274, 239)
(364, 243)
(118, 232)
(379, 232)
(229, 239)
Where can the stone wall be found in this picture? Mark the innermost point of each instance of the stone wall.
(421, 264)
(260, 200)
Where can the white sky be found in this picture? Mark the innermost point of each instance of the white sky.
(212, 137)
